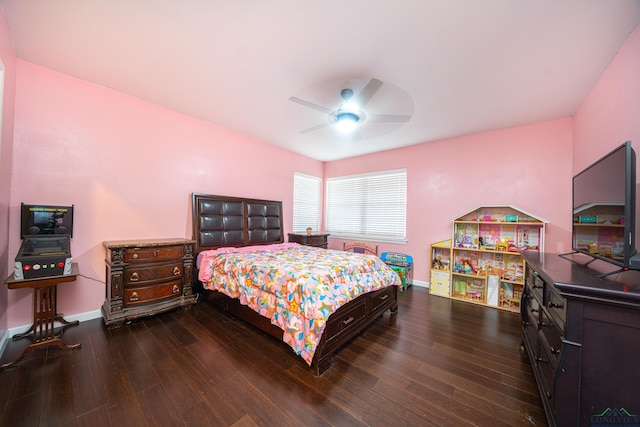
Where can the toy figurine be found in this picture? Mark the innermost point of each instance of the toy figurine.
(468, 267)
(437, 263)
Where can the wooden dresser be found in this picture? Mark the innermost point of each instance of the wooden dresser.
(582, 335)
(317, 240)
(146, 277)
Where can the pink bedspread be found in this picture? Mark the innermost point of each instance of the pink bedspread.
(297, 287)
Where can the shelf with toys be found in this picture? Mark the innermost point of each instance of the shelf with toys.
(486, 266)
(440, 283)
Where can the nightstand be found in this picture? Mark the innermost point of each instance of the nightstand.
(317, 240)
(146, 277)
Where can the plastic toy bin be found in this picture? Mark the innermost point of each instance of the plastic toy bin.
(401, 264)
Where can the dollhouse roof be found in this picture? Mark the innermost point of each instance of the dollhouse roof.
(493, 208)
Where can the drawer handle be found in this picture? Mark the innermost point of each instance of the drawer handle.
(176, 271)
(534, 310)
(541, 360)
(554, 305)
(155, 252)
(134, 277)
(175, 289)
(346, 322)
(135, 256)
(134, 297)
(536, 286)
(554, 350)
(384, 297)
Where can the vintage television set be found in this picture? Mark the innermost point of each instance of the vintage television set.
(604, 210)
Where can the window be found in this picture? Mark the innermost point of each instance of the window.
(370, 207)
(306, 202)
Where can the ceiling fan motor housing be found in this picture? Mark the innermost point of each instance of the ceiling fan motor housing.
(346, 94)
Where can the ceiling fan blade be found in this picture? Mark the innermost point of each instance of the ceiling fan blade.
(310, 105)
(388, 118)
(367, 93)
(316, 127)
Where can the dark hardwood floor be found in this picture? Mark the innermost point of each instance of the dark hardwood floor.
(443, 363)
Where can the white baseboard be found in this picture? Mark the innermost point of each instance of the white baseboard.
(420, 283)
(82, 317)
(3, 341)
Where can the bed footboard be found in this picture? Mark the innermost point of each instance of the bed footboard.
(352, 319)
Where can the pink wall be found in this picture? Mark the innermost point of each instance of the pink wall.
(8, 68)
(610, 113)
(129, 168)
(528, 167)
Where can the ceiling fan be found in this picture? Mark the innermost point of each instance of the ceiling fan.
(350, 113)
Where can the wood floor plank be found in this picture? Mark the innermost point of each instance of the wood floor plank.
(100, 416)
(58, 407)
(7, 380)
(159, 406)
(23, 411)
(89, 392)
(171, 375)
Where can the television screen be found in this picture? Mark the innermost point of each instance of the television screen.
(604, 196)
(43, 220)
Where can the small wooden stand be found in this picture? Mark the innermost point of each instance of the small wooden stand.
(44, 312)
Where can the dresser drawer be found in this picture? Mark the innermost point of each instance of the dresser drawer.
(551, 342)
(150, 254)
(547, 374)
(337, 324)
(537, 285)
(530, 329)
(531, 309)
(146, 294)
(138, 275)
(556, 305)
(316, 240)
(381, 298)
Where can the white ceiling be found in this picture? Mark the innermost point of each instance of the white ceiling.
(458, 67)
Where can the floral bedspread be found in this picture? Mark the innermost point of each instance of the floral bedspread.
(297, 287)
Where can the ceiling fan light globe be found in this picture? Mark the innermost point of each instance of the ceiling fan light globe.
(347, 122)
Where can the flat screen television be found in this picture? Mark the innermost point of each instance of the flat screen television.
(604, 209)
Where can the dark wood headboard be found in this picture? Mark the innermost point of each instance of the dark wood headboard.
(220, 221)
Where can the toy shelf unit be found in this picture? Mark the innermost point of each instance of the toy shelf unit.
(440, 283)
(486, 265)
(401, 264)
(599, 229)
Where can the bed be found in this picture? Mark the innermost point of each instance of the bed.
(233, 233)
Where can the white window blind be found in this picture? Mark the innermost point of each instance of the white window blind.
(306, 202)
(370, 206)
